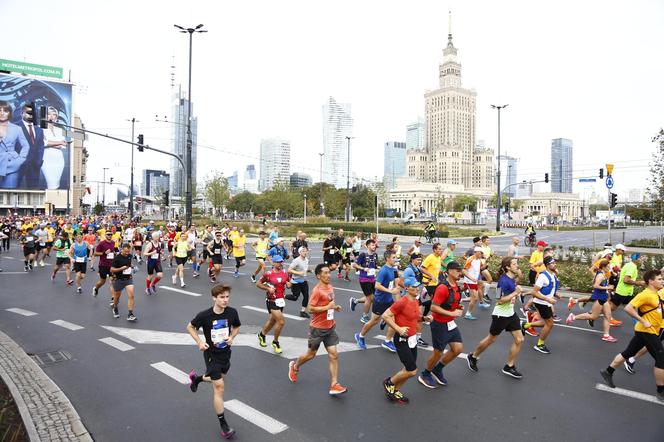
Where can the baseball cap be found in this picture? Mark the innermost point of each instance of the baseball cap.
(277, 258)
(621, 247)
(635, 256)
(453, 265)
(542, 243)
(548, 260)
(412, 282)
(606, 252)
(478, 249)
(414, 256)
(451, 242)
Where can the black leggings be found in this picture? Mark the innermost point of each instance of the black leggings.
(5, 244)
(303, 288)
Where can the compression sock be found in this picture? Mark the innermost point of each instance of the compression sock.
(610, 369)
(540, 342)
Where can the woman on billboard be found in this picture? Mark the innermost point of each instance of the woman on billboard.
(14, 148)
(54, 159)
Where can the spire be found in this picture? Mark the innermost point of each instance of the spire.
(449, 30)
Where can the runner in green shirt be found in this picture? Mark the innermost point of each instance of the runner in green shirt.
(61, 247)
(627, 281)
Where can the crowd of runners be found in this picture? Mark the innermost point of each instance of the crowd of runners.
(433, 291)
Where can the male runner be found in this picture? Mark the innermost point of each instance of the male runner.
(78, 253)
(366, 264)
(472, 272)
(215, 249)
(122, 271)
(106, 252)
(239, 254)
(28, 242)
(205, 239)
(61, 247)
(330, 256)
(274, 282)
(298, 270)
(260, 247)
(153, 252)
(544, 295)
(486, 280)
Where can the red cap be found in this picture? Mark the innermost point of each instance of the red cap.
(541, 243)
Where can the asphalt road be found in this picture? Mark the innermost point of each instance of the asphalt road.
(121, 396)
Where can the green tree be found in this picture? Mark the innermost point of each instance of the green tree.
(243, 202)
(216, 191)
(656, 181)
(99, 209)
(461, 201)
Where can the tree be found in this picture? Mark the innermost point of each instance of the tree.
(656, 181)
(493, 201)
(461, 201)
(243, 202)
(216, 191)
(99, 208)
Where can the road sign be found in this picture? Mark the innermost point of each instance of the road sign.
(587, 180)
(609, 182)
(609, 169)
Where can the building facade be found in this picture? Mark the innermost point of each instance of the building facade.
(561, 165)
(337, 125)
(394, 162)
(179, 135)
(155, 182)
(300, 180)
(416, 134)
(508, 174)
(250, 181)
(274, 163)
(554, 205)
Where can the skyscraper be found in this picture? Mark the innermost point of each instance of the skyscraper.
(337, 125)
(274, 163)
(250, 182)
(561, 165)
(179, 131)
(233, 181)
(298, 179)
(416, 134)
(508, 174)
(394, 162)
(155, 182)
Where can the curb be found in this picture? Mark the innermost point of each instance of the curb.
(34, 392)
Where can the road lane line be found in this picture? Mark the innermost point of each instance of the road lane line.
(67, 325)
(14, 273)
(578, 328)
(9, 257)
(172, 372)
(262, 310)
(20, 311)
(254, 416)
(347, 290)
(427, 348)
(629, 393)
(116, 344)
(173, 289)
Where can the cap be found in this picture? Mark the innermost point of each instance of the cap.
(549, 260)
(451, 242)
(635, 256)
(412, 282)
(415, 256)
(542, 243)
(279, 240)
(277, 258)
(606, 252)
(621, 247)
(454, 265)
(478, 249)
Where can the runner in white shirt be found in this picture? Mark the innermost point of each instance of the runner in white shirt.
(471, 273)
(545, 296)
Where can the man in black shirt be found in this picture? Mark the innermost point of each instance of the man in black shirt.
(300, 241)
(122, 272)
(220, 325)
(330, 256)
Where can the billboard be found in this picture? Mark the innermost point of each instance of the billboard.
(32, 158)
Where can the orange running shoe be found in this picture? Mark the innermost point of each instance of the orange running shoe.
(292, 372)
(337, 389)
(572, 302)
(615, 323)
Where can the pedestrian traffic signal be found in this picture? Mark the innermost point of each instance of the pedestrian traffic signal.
(614, 200)
(140, 143)
(546, 177)
(43, 119)
(601, 173)
(507, 206)
(111, 180)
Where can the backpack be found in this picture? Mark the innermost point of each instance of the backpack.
(549, 287)
(447, 305)
(661, 304)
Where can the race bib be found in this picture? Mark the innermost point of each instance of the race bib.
(127, 271)
(110, 255)
(412, 341)
(29, 238)
(371, 272)
(333, 251)
(154, 256)
(42, 243)
(330, 314)
(217, 251)
(80, 259)
(219, 333)
(138, 243)
(451, 325)
(391, 285)
(278, 279)
(280, 302)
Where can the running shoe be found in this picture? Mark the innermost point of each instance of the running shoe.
(511, 371)
(79, 290)
(484, 305)
(353, 303)
(228, 432)
(524, 312)
(542, 349)
(591, 322)
(472, 362)
(469, 316)
(570, 319)
(629, 366)
(116, 312)
(556, 318)
(195, 274)
(236, 274)
(25, 269)
(213, 280)
(148, 291)
(400, 397)
(95, 291)
(292, 372)
(183, 285)
(30, 267)
(382, 324)
(339, 276)
(92, 269)
(154, 289)
(437, 374)
(346, 278)
(487, 299)
(615, 323)
(261, 340)
(360, 341)
(193, 386)
(608, 378)
(422, 343)
(337, 389)
(389, 388)
(389, 345)
(364, 319)
(425, 378)
(304, 314)
(70, 282)
(41, 264)
(572, 302)
(276, 347)
(253, 279)
(609, 338)
(131, 317)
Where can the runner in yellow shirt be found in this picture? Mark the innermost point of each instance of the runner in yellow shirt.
(239, 242)
(260, 246)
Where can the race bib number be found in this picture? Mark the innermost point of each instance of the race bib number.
(391, 285)
(80, 259)
(217, 251)
(154, 256)
(280, 302)
(371, 272)
(127, 271)
(412, 341)
(110, 255)
(29, 238)
(333, 251)
(42, 243)
(278, 279)
(138, 243)
(330, 314)
(219, 332)
(451, 325)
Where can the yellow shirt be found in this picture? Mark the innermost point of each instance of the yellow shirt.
(486, 250)
(50, 234)
(238, 245)
(117, 237)
(537, 256)
(432, 265)
(101, 232)
(233, 234)
(261, 248)
(651, 302)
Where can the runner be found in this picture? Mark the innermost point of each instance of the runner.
(278, 249)
(486, 279)
(415, 271)
(78, 253)
(28, 241)
(298, 270)
(274, 234)
(91, 239)
(445, 308)
(339, 240)
(215, 249)
(274, 282)
(536, 262)
(646, 308)
(447, 256)
(205, 239)
(40, 246)
(239, 254)
(503, 318)
(330, 256)
(544, 294)
(600, 296)
(346, 252)
(122, 271)
(171, 235)
(415, 248)
(300, 241)
(431, 267)
(260, 247)
(387, 288)
(153, 252)
(513, 249)
(366, 264)
(182, 248)
(220, 324)
(106, 251)
(627, 280)
(322, 329)
(471, 272)
(61, 247)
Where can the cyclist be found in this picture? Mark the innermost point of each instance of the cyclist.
(430, 230)
(530, 232)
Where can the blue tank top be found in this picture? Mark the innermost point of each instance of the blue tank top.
(598, 293)
(81, 252)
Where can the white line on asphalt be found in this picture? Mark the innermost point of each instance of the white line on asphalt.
(14, 273)
(232, 272)
(172, 372)
(629, 393)
(116, 344)
(578, 328)
(9, 257)
(427, 348)
(173, 289)
(347, 290)
(20, 311)
(262, 310)
(254, 416)
(67, 325)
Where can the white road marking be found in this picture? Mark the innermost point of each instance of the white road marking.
(67, 325)
(254, 416)
(629, 393)
(116, 344)
(262, 310)
(232, 272)
(348, 290)
(173, 289)
(14, 273)
(578, 328)
(9, 257)
(172, 372)
(20, 311)
(427, 348)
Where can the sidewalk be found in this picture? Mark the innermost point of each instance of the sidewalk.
(47, 413)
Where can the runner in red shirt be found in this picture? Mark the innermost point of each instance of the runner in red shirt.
(274, 282)
(403, 316)
(322, 307)
(170, 238)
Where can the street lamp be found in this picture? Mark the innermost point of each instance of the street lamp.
(189, 202)
(103, 198)
(348, 181)
(131, 181)
(322, 206)
(305, 208)
(498, 202)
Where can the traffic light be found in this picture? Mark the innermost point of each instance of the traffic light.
(601, 173)
(546, 177)
(614, 200)
(167, 194)
(43, 118)
(140, 142)
(111, 180)
(507, 206)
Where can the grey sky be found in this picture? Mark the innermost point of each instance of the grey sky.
(590, 71)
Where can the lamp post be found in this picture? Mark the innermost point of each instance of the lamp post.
(498, 202)
(103, 198)
(189, 202)
(322, 205)
(348, 181)
(131, 180)
(305, 208)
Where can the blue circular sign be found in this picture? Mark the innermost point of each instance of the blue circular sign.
(609, 182)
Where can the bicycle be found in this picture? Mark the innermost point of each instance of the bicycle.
(530, 241)
(432, 236)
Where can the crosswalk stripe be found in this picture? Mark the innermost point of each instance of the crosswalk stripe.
(262, 310)
(171, 372)
(629, 393)
(262, 420)
(173, 289)
(20, 311)
(119, 345)
(67, 325)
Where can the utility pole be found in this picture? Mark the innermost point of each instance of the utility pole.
(498, 201)
(131, 181)
(322, 205)
(348, 182)
(103, 198)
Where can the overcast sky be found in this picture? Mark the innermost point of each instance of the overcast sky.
(590, 71)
